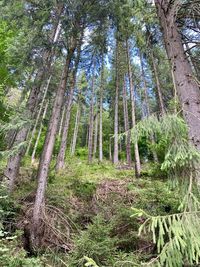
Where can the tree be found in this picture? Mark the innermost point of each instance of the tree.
(187, 87)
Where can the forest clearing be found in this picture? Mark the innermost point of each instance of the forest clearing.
(99, 133)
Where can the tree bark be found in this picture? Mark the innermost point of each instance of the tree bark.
(49, 144)
(76, 127)
(126, 125)
(147, 107)
(61, 120)
(136, 149)
(39, 133)
(116, 148)
(158, 86)
(91, 123)
(38, 115)
(60, 163)
(101, 113)
(187, 88)
(95, 135)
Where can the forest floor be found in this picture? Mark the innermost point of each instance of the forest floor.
(88, 214)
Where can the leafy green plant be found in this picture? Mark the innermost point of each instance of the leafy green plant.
(176, 236)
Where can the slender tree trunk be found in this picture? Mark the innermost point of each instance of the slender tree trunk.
(126, 125)
(61, 120)
(158, 86)
(110, 149)
(187, 88)
(91, 123)
(136, 149)
(49, 145)
(38, 115)
(61, 155)
(116, 148)
(39, 134)
(147, 106)
(95, 135)
(101, 113)
(77, 121)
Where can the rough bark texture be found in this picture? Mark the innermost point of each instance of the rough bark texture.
(49, 145)
(136, 150)
(187, 88)
(126, 125)
(116, 148)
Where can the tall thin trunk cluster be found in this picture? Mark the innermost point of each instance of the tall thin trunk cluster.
(46, 155)
(13, 164)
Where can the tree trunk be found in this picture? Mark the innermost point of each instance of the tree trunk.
(49, 145)
(91, 123)
(95, 135)
(101, 113)
(136, 150)
(39, 133)
(126, 125)
(147, 108)
(187, 88)
(38, 115)
(110, 149)
(61, 120)
(77, 121)
(61, 155)
(158, 87)
(116, 148)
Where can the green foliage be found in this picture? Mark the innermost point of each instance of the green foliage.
(94, 243)
(179, 153)
(176, 235)
(11, 252)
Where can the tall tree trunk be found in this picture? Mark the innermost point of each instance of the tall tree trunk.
(136, 149)
(46, 155)
(91, 123)
(95, 135)
(101, 112)
(158, 87)
(77, 121)
(39, 133)
(61, 120)
(38, 115)
(110, 149)
(126, 125)
(61, 155)
(187, 88)
(116, 148)
(147, 107)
